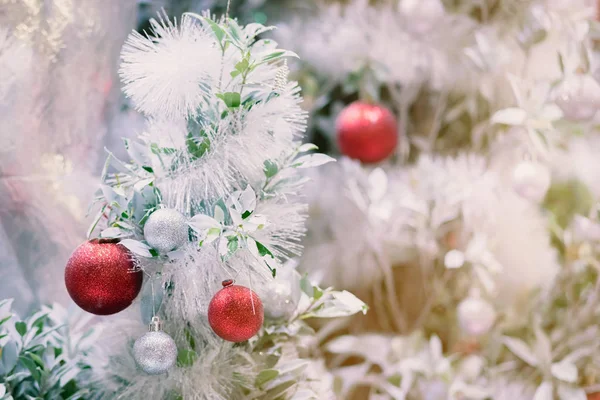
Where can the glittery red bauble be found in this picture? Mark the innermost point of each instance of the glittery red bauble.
(235, 312)
(100, 279)
(367, 132)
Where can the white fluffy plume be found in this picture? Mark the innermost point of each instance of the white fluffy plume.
(170, 72)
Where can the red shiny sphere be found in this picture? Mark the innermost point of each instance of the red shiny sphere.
(100, 279)
(367, 132)
(235, 312)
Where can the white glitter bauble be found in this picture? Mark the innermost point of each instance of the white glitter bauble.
(475, 315)
(281, 295)
(578, 97)
(531, 180)
(166, 230)
(155, 352)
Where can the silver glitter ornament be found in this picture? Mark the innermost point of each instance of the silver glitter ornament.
(475, 315)
(155, 352)
(282, 294)
(166, 230)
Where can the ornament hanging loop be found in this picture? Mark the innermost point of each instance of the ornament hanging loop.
(155, 324)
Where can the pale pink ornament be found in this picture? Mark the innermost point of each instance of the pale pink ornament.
(578, 96)
(475, 315)
(531, 180)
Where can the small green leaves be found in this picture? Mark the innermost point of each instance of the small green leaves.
(263, 250)
(317, 293)
(306, 286)
(21, 327)
(270, 168)
(231, 99)
(212, 232)
(197, 146)
(232, 244)
(246, 214)
(276, 55)
(186, 357)
(228, 245)
(216, 28)
(243, 67)
(234, 33)
(45, 355)
(9, 356)
(3, 320)
(31, 366)
(265, 376)
(161, 150)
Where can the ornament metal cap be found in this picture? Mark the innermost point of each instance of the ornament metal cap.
(227, 282)
(155, 324)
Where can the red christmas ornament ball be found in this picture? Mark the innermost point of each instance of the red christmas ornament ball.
(235, 313)
(100, 279)
(367, 132)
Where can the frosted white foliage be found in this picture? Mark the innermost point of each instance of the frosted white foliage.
(343, 245)
(427, 42)
(510, 389)
(346, 247)
(170, 72)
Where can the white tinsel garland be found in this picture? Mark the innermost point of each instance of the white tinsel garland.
(222, 149)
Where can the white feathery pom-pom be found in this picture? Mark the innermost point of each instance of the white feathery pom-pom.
(167, 74)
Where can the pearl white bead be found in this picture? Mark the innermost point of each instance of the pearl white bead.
(282, 294)
(578, 97)
(531, 180)
(476, 316)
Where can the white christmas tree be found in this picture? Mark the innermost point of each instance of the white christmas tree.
(466, 219)
(208, 197)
